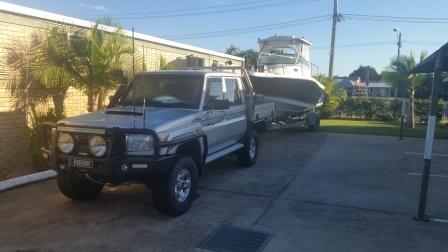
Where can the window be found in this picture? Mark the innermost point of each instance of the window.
(214, 90)
(193, 61)
(164, 91)
(232, 92)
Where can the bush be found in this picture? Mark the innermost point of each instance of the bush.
(36, 136)
(382, 109)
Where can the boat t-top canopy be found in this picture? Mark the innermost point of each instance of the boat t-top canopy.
(282, 42)
(300, 46)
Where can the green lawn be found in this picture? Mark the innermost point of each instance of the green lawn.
(375, 128)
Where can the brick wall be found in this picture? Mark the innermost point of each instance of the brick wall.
(14, 159)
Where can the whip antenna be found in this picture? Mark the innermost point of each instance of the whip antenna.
(133, 76)
(144, 95)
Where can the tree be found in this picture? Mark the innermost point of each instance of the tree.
(102, 60)
(52, 66)
(250, 55)
(232, 50)
(36, 71)
(362, 71)
(399, 76)
(333, 96)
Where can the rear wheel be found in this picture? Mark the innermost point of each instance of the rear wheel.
(76, 186)
(174, 192)
(247, 156)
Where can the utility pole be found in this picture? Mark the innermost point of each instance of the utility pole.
(398, 55)
(333, 37)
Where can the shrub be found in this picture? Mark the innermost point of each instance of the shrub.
(36, 134)
(382, 109)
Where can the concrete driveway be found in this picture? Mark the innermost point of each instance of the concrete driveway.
(313, 191)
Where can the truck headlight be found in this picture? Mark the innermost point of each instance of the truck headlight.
(98, 146)
(139, 144)
(66, 144)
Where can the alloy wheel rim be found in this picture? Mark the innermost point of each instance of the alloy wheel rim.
(182, 188)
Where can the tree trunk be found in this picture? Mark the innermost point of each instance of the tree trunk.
(101, 97)
(33, 114)
(411, 113)
(58, 102)
(91, 101)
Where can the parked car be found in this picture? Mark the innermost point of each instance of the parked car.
(161, 130)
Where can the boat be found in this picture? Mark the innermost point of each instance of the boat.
(284, 75)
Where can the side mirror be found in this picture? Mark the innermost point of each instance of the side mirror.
(217, 105)
(114, 98)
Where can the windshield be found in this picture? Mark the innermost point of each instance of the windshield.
(164, 91)
(275, 59)
(287, 51)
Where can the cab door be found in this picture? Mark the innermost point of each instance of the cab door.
(235, 116)
(213, 116)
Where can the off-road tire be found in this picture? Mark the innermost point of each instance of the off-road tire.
(245, 156)
(77, 186)
(164, 188)
(316, 124)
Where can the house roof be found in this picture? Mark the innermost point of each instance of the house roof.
(44, 15)
(344, 83)
(378, 85)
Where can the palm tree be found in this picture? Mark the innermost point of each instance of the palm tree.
(34, 73)
(53, 66)
(333, 96)
(399, 75)
(102, 61)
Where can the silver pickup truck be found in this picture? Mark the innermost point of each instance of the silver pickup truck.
(160, 130)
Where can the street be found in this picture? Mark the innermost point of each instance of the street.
(312, 191)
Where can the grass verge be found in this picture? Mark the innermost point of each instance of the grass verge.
(376, 128)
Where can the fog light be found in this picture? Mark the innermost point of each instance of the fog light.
(124, 167)
(61, 166)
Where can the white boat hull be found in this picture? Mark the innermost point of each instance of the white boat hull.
(291, 94)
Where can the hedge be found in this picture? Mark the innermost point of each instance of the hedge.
(383, 109)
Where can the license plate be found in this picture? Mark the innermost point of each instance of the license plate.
(83, 163)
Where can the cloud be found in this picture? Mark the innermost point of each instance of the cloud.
(94, 7)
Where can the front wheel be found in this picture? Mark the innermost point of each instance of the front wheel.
(76, 186)
(174, 192)
(247, 156)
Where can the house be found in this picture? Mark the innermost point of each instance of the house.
(359, 88)
(379, 89)
(352, 87)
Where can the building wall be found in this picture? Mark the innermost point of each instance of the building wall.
(17, 28)
(380, 92)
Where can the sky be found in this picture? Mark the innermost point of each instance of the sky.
(358, 42)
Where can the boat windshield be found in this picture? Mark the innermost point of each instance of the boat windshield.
(164, 91)
(286, 51)
(279, 55)
(271, 59)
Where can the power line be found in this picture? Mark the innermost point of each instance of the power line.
(379, 43)
(402, 19)
(235, 9)
(251, 29)
(182, 10)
